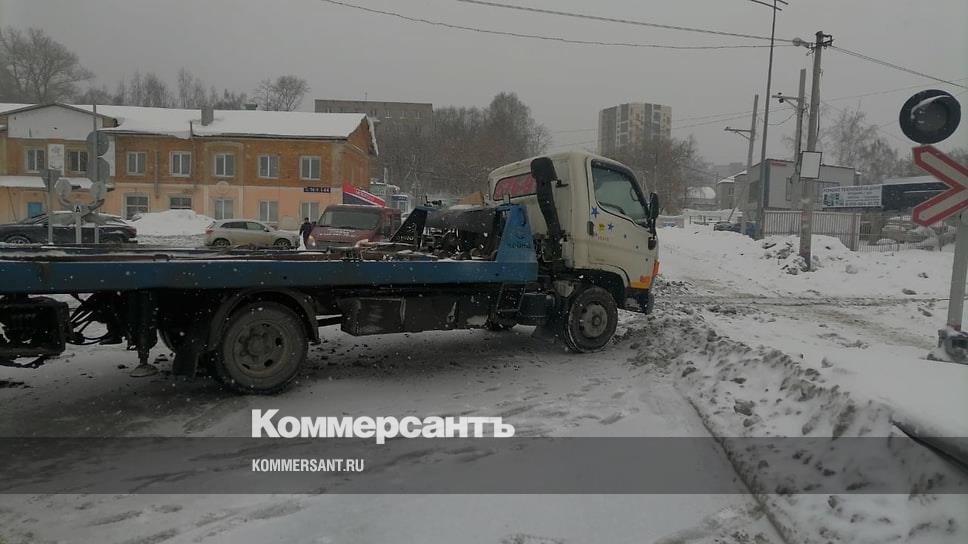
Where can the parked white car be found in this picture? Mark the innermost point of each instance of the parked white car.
(246, 232)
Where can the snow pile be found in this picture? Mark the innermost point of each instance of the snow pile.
(772, 266)
(811, 493)
(171, 223)
(825, 251)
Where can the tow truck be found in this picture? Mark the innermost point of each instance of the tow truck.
(564, 242)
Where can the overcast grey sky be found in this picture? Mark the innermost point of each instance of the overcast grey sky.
(346, 53)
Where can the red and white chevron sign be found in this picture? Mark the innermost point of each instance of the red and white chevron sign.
(949, 172)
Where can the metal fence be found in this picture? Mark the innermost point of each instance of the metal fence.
(844, 226)
(868, 232)
(890, 231)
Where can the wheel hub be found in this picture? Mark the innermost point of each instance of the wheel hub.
(260, 348)
(593, 320)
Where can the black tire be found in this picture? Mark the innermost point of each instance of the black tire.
(221, 242)
(282, 243)
(263, 347)
(589, 321)
(17, 239)
(173, 337)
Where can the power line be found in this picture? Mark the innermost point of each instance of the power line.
(616, 20)
(534, 36)
(703, 31)
(723, 116)
(875, 93)
(895, 66)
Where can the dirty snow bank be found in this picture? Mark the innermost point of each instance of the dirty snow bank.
(772, 266)
(743, 393)
(171, 223)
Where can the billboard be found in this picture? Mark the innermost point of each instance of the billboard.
(854, 196)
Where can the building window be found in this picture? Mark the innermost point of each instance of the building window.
(416, 114)
(36, 160)
(225, 165)
(269, 211)
(224, 208)
(387, 115)
(181, 163)
(180, 202)
(403, 114)
(309, 167)
(269, 166)
(76, 160)
(310, 210)
(136, 163)
(135, 204)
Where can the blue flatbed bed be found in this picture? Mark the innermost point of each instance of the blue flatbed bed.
(43, 270)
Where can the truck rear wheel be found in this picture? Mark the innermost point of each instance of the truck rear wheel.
(263, 347)
(589, 321)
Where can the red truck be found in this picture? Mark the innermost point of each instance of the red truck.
(342, 225)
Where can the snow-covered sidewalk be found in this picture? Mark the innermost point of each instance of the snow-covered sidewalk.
(839, 351)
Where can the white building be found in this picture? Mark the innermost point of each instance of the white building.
(782, 193)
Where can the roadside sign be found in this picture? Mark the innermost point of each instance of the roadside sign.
(949, 172)
(98, 143)
(98, 191)
(103, 170)
(55, 156)
(856, 196)
(810, 164)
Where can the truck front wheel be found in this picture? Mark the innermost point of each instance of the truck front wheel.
(263, 347)
(589, 321)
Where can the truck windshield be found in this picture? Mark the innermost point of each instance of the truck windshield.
(617, 193)
(349, 219)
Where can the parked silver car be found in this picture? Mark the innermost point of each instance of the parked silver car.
(246, 232)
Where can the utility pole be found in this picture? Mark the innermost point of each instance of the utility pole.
(806, 215)
(740, 196)
(764, 185)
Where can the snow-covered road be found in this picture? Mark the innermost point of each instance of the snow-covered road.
(541, 389)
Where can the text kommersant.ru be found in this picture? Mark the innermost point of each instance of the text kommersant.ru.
(266, 425)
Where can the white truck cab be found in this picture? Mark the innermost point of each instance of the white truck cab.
(605, 236)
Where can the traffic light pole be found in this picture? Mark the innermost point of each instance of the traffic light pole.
(97, 230)
(50, 177)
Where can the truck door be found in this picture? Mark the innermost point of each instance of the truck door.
(618, 224)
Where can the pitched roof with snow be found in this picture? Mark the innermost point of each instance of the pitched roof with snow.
(912, 179)
(4, 108)
(185, 123)
(707, 193)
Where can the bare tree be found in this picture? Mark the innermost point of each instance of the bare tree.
(265, 95)
(96, 95)
(667, 166)
(191, 91)
(289, 91)
(285, 93)
(229, 100)
(856, 143)
(848, 134)
(34, 68)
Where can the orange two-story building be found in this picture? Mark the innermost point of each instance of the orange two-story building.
(273, 166)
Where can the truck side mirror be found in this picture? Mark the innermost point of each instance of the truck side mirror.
(653, 206)
(543, 170)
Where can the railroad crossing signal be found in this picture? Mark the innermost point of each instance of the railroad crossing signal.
(947, 171)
